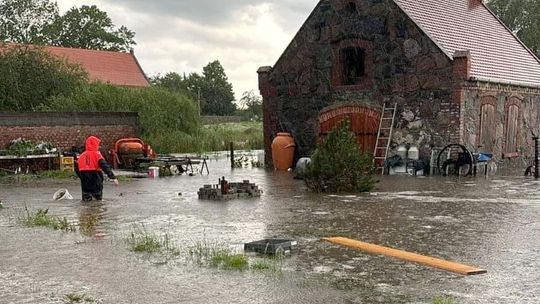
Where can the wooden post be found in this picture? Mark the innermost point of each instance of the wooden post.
(536, 161)
(232, 154)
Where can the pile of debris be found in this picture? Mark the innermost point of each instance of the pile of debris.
(229, 191)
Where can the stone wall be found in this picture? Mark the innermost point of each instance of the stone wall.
(502, 96)
(403, 66)
(65, 130)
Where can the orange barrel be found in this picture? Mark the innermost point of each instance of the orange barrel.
(283, 151)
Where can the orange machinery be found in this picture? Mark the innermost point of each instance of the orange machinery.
(128, 151)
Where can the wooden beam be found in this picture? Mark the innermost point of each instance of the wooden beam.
(407, 256)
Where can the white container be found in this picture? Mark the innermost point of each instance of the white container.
(413, 153)
(153, 172)
(402, 152)
(62, 194)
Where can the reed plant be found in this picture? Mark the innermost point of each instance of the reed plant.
(244, 136)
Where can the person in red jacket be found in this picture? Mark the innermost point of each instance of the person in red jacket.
(90, 167)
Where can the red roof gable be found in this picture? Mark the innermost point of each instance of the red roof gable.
(109, 67)
(459, 25)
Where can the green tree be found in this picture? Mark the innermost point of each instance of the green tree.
(216, 91)
(29, 77)
(252, 103)
(521, 16)
(23, 21)
(338, 165)
(88, 27)
(212, 89)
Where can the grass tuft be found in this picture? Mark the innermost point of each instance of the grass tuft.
(42, 218)
(142, 241)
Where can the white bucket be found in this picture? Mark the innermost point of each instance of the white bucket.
(153, 172)
(62, 194)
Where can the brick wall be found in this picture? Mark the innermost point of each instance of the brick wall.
(65, 130)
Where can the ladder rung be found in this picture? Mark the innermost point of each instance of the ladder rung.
(384, 137)
(387, 118)
(380, 157)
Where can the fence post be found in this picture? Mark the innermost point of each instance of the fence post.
(232, 154)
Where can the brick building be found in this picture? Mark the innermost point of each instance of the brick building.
(455, 71)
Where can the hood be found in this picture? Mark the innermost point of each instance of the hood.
(92, 143)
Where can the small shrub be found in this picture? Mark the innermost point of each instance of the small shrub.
(44, 219)
(338, 165)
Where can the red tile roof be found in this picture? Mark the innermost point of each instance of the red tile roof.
(109, 67)
(459, 25)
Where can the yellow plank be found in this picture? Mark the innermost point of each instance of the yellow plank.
(407, 256)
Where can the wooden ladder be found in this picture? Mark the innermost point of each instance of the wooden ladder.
(382, 144)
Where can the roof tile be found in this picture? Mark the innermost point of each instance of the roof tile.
(459, 25)
(109, 67)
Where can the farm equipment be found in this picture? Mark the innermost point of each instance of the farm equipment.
(128, 151)
(134, 154)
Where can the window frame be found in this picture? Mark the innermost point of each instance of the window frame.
(365, 82)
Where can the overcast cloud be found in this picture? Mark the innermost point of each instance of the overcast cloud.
(184, 35)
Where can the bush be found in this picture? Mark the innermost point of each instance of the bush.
(29, 77)
(161, 112)
(338, 165)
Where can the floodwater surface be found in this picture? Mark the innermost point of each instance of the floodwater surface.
(489, 223)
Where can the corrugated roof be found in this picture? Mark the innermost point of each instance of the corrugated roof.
(109, 67)
(459, 25)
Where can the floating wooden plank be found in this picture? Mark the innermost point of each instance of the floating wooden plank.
(407, 256)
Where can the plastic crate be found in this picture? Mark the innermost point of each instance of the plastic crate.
(270, 246)
(67, 163)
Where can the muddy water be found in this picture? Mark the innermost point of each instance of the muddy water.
(493, 224)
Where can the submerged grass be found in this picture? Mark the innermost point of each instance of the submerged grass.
(78, 298)
(24, 178)
(42, 218)
(221, 256)
(444, 300)
(142, 241)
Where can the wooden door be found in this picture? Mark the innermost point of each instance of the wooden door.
(363, 122)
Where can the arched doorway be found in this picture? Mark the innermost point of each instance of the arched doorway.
(364, 123)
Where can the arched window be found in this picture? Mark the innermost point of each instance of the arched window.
(488, 130)
(511, 129)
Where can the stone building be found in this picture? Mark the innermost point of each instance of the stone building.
(455, 71)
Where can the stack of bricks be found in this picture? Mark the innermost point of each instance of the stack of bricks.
(244, 189)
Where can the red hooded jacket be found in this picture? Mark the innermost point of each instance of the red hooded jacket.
(89, 159)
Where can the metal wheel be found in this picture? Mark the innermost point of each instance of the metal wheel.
(529, 171)
(455, 159)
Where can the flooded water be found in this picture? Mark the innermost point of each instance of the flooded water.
(493, 224)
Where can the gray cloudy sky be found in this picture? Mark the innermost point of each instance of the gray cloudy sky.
(184, 35)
